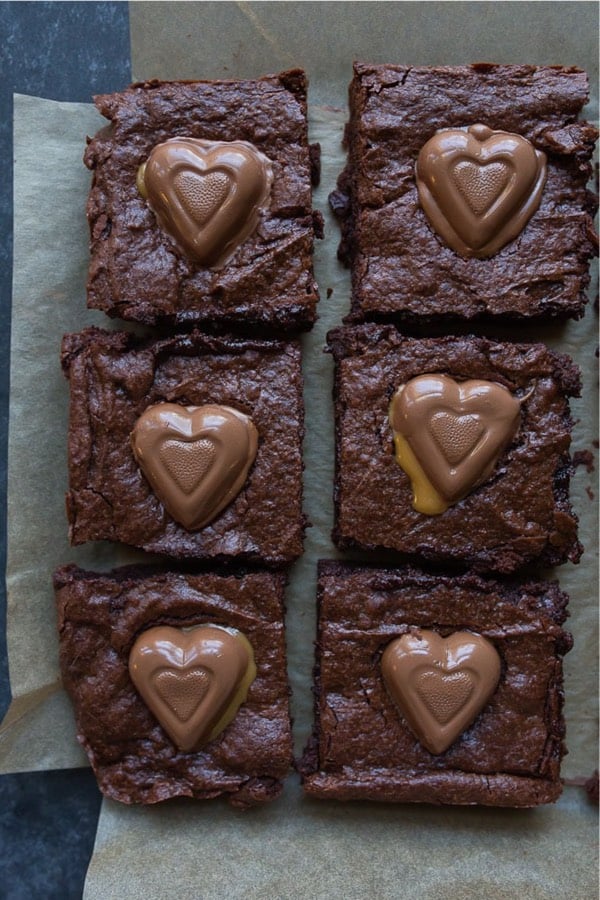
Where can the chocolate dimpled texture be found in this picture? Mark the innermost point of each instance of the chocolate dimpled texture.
(440, 684)
(208, 195)
(449, 436)
(193, 680)
(196, 458)
(479, 188)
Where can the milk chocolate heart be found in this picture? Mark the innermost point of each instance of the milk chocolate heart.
(208, 195)
(196, 458)
(193, 681)
(479, 187)
(450, 435)
(440, 684)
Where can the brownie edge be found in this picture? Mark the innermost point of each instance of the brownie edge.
(361, 747)
(99, 618)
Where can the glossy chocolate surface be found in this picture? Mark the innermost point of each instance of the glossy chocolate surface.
(141, 271)
(479, 187)
(195, 458)
(208, 195)
(193, 680)
(440, 684)
(115, 378)
(449, 435)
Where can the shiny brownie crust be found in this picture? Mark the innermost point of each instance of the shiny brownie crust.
(100, 617)
(114, 377)
(401, 269)
(136, 273)
(362, 749)
(520, 515)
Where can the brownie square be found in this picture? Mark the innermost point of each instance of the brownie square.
(115, 377)
(401, 268)
(136, 270)
(520, 514)
(362, 747)
(99, 618)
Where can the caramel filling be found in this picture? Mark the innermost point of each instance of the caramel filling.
(425, 497)
(241, 694)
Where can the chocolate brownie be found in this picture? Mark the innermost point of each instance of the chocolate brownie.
(363, 746)
(402, 266)
(100, 616)
(516, 508)
(117, 381)
(139, 271)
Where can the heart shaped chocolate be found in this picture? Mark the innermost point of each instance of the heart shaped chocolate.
(479, 187)
(182, 691)
(440, 684)
(208, 195)
(456, 436)
(450, 435)
(196, 458)
(193, 681)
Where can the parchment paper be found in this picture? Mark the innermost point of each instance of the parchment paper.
(294, 848)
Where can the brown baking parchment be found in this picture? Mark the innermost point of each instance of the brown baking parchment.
(294, 848)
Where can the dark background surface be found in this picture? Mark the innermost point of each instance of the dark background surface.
(62, 51)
